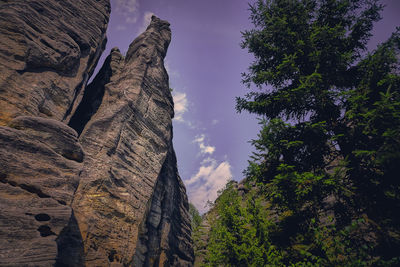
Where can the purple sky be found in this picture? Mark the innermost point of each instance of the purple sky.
(204, 62)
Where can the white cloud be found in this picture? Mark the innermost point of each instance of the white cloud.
(127, 5)
(129, 9)
(214, 122)
(210, 178)
(199, 139)
(204, 149)
(180, 105)
(146, 21)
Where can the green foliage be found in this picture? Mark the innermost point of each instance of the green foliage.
(328, 153)
(306, 50)
(195, 217)
(239, 235)
(373, 110)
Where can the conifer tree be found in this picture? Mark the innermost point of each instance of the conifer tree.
(330, 137)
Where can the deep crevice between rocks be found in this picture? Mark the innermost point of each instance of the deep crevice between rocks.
(77, 91)
(92, 98)
(93, 61)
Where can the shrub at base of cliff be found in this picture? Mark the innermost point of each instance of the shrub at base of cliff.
(247, 230)
(240, 229)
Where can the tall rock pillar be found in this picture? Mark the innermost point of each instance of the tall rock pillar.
(130, 191)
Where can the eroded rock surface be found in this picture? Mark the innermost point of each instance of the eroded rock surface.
(48, 50)
(165, 233)
(127, 141)
(40, 164)
(103, 190)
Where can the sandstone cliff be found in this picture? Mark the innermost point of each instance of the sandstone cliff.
(48, 50)
(103, 190)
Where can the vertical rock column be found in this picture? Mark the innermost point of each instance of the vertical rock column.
(126, 140)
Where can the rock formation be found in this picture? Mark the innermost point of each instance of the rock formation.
(40, 163)
(48, 50)
(103, 190)
(128, 151)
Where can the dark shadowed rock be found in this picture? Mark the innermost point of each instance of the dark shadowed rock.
(94, 92)
(48, 50)
(165, 233)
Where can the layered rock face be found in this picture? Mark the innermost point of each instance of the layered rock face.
(128, 151)
(103, 190)
(40, 163)
(48, 50)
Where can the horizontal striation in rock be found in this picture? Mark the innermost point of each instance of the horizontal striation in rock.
(127, 141)
(103, 190)
(48, 50)
(40, 164)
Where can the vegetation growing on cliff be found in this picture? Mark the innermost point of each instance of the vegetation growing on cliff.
(328, 153)
(195, 217)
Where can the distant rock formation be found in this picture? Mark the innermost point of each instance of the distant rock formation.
(103, 190)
